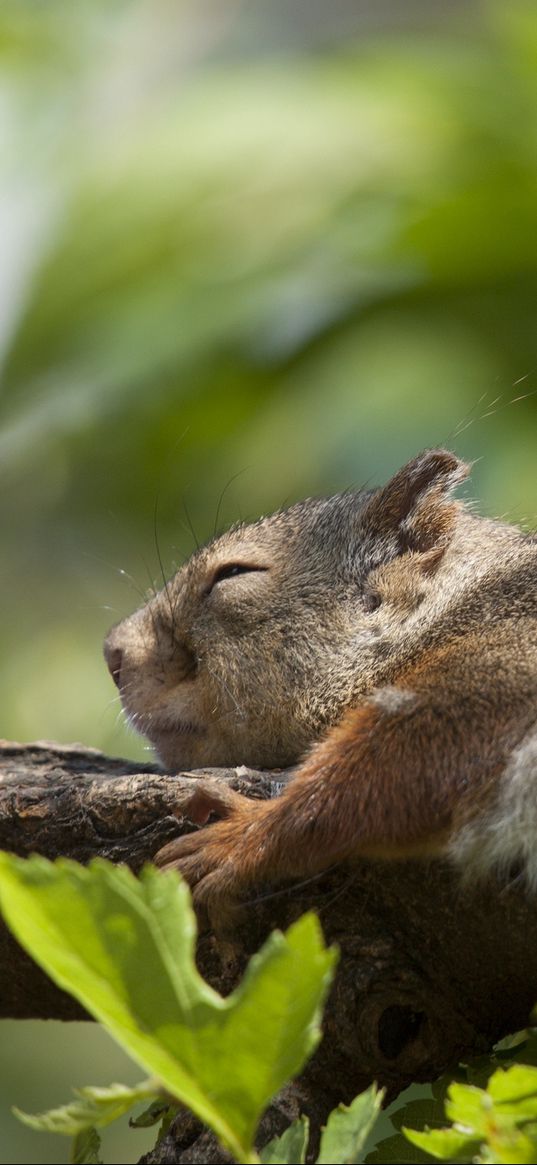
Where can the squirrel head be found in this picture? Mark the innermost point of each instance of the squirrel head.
(271, 630)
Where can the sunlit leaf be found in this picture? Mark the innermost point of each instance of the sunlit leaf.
(93, 1107)
(347, 1128)
(514, 1091)
(446, 1144)
(125, 948)
(468, 1106)
(290, 1148)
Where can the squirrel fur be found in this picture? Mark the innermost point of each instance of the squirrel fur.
(386, 640)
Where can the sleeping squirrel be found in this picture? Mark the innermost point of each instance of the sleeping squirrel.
(384, 639)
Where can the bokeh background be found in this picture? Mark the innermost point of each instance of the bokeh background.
(251, 250)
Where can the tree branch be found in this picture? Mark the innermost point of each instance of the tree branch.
(428, 972)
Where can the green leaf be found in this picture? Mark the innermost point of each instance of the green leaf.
(93, 1107)
(469, 1106)
(290, 1148)
(124, 947)
(486, 1120)
(419, 1113)
(156, 1112)
(514, 1091)
(348, 1128)
(448, 1144)
(512, 1147)
(168, 1116)
(513, 1044)
(85, 1149)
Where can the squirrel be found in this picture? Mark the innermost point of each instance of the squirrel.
(382, 640)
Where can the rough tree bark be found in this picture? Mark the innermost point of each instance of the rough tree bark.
(428, 972)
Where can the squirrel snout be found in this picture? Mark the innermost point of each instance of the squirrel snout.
(114, 658)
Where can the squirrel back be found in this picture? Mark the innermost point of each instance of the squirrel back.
(395, 628)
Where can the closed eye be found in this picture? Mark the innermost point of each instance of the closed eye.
(231, 570)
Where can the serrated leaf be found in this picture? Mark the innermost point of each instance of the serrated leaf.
(447, 1144)
(85, 1149)
(124, 947)
(347, 1128)
(93, 1107)
(290, 1148)
(468, 1106)
(512, 1147)
(514, 1091)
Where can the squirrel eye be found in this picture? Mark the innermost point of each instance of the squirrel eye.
(230, 570)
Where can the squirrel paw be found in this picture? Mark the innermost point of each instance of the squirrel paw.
(213, 859)
(209, 861)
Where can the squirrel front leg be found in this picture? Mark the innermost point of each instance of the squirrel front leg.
(348, 798)
(392, 780)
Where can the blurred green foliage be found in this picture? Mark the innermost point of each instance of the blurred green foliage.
(298, 266)
(236, 245)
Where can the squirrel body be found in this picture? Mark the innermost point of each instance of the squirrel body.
(386, 640)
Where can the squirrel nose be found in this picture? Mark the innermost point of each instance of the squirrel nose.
(114, 659)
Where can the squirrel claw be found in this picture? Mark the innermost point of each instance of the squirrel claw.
(209, 858)
(172, 855)
(206, 853)
(204, 861)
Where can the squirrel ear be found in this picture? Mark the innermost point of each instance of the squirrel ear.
(414, 507)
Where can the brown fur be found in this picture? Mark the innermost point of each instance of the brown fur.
(395, 628)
